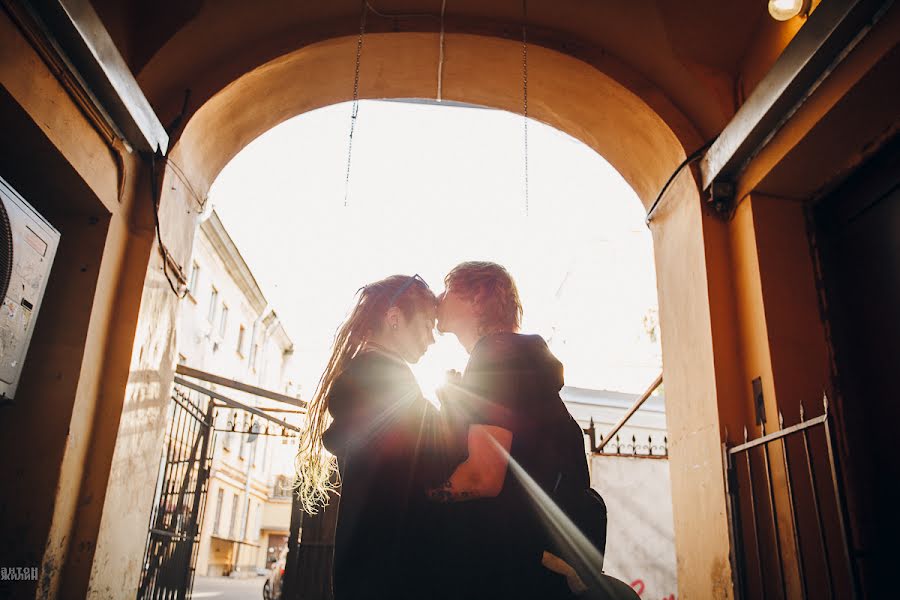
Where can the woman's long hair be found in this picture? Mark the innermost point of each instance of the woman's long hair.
(316, 469)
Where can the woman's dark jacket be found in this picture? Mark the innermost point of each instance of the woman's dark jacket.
(381, 431)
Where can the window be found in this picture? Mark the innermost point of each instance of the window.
(194, 280)
(228, 439)
(258, 529)
(253, 352)
(283, 487)
(243, 453)
(220, 499)
(234, 512)
(223, 321)
(242, 335)
(213, 302)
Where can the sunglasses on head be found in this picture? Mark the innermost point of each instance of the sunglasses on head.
(406, 285)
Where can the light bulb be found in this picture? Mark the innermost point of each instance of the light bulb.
(782, 10)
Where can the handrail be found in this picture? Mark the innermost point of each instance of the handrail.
(634, 408)
(237, 385)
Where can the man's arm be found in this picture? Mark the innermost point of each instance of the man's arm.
(482, 474)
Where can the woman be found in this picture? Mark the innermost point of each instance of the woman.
(508, 409)
(380, 429)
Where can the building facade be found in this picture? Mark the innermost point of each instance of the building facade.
(227, 328)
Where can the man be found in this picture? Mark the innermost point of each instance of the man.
(507, 413)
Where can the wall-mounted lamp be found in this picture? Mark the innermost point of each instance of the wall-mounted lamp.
(782, 10)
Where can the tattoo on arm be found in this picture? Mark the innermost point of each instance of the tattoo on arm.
(445, 493)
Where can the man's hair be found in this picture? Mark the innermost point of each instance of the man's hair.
(494, 292)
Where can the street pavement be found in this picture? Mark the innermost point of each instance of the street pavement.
(226, 588)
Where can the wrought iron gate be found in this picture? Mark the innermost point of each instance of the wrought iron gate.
(799, 464)
(170, 555)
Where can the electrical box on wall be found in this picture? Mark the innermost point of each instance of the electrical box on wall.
(27, 248)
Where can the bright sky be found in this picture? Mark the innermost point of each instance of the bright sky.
(432, 186)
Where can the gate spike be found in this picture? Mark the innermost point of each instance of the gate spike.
(746, 435)
(780, 420)
(825, 402)
(801, 412)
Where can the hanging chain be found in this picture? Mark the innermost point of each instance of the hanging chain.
(525, 93)
(354, 111)
(440, 75)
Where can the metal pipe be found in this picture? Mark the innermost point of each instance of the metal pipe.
(234, 403)
(634, 408)
(85, 42)
(828, 36)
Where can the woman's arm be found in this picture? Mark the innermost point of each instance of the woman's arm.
(482, 474)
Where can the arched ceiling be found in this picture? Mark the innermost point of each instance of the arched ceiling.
(683, 57)
(563, 92)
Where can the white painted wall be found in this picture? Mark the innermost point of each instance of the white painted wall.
(640, 547)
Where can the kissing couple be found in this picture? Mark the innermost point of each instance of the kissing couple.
(487, 496)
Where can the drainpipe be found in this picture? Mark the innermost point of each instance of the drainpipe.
(265, 333)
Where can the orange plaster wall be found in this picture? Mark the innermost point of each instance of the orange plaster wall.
(796, 334)
(60, 163)
(752, 240)
(128, 445)
(563, 92)
(693, 393)
(67, 420)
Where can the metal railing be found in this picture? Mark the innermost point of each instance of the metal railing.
(182, 484)
(631, 447)
(808, 489)
(170, 552)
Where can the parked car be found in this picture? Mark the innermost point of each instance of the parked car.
(272, 586)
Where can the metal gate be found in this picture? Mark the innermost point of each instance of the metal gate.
(799, 463)
(170, 555)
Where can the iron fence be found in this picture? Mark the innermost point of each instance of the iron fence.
(170, 555)
(785, 487)
(626, 446)
(177, 515)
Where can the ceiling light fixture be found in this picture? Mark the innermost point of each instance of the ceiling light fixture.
(783, 10)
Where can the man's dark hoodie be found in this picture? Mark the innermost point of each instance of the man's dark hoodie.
(513, 381)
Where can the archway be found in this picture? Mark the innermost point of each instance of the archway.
(563, 92)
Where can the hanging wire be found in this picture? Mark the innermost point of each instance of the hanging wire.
(355, 109)
(525, 93)
(694, 156)
(399, 15)
(175, 286)
(440, 76)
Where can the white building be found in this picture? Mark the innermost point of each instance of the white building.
(604, 408)
(227, 328)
